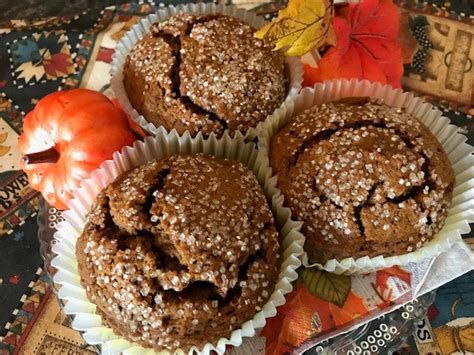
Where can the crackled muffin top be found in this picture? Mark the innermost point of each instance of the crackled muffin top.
(204, 73)
(365, 178)
(180, 251)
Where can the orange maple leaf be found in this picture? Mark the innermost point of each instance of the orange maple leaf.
(367, 46)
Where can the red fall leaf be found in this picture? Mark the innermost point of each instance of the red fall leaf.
(367, 46)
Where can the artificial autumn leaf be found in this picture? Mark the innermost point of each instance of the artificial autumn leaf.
(301, 26)
(330, 287)
(367, 46)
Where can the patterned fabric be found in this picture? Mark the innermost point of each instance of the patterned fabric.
(419, 32)
(36, 58)
(58, 53)
(449, 326)
(445, 57)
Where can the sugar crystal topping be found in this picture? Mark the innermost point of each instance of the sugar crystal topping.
(205, 73)
(174, 243)
(364, 177)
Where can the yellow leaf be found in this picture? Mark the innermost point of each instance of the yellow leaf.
(303, 25)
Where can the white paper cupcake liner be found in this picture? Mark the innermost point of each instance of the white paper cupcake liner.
(126, 43)
(163, 145)
(460, 155)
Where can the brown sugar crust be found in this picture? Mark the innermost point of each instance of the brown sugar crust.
(204, 73)
(180, 251)
(365, 178)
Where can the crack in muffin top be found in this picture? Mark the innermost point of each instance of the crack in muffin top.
(365, 178)
(204, 73)
(179, 251)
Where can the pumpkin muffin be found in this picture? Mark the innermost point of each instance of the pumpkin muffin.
(179, 252)
(204, 74)
(366, 179)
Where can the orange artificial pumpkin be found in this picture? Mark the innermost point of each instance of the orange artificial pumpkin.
(66, 137)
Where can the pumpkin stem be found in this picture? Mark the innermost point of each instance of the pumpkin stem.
(50, 155)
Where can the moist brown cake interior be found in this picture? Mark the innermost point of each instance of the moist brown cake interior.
(204, 73)
(180, 251)
(365, 178)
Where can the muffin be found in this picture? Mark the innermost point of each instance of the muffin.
(204, 73)
(179, 252)
(365, 179)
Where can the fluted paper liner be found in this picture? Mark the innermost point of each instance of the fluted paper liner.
(163, 145)
(126, 43)
(460, 155)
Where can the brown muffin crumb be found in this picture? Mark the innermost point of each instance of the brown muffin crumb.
(204, 73)
(179, 252)
(365, 178)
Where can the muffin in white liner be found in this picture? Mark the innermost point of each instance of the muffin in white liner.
(294, 66)
(460, 155)
(162, 145)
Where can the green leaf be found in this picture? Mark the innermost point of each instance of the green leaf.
(329, 287)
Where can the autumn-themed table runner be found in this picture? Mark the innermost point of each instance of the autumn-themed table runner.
(58, 53)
